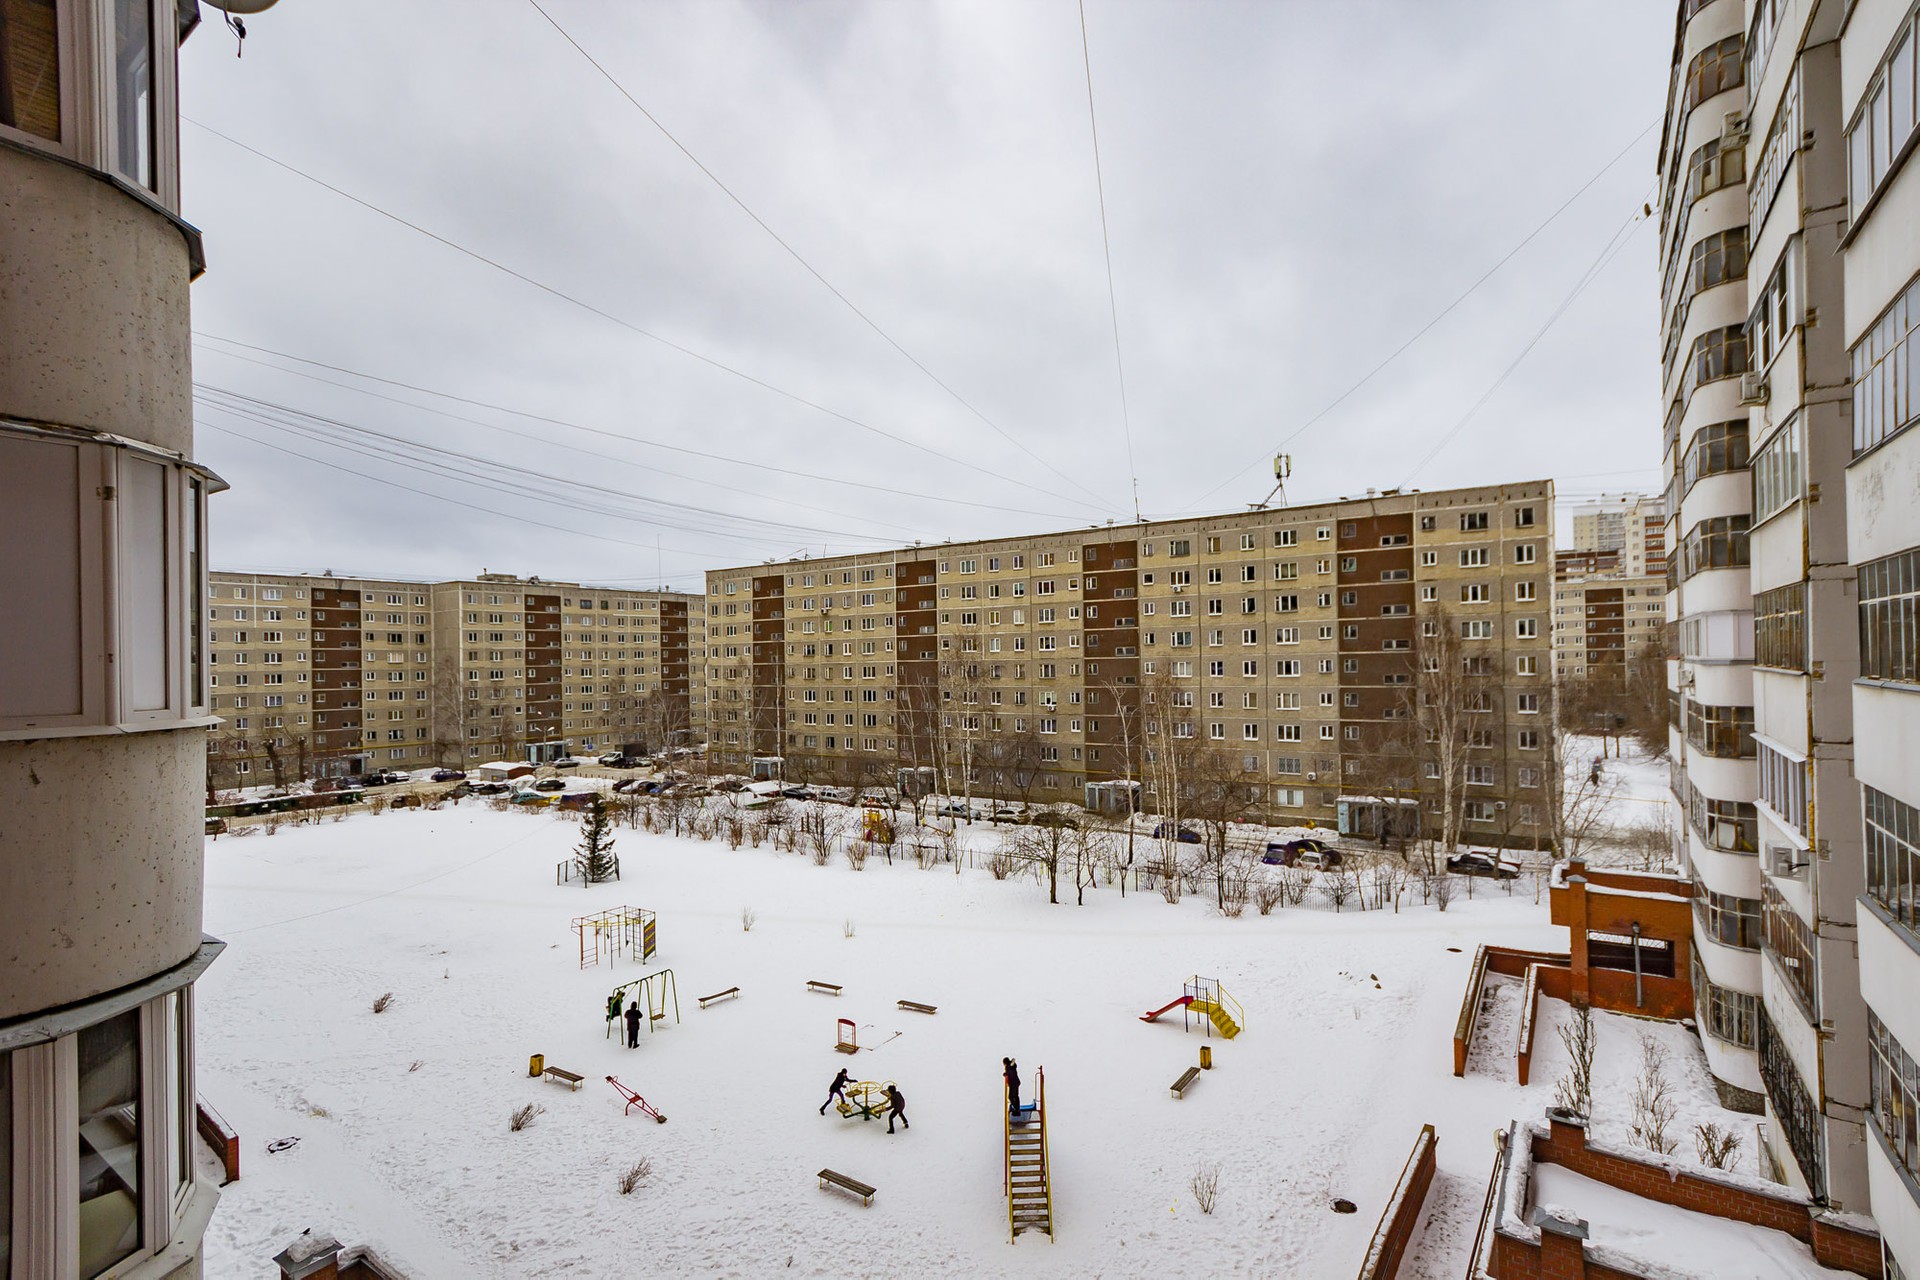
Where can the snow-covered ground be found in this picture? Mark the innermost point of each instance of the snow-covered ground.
(402, 1116)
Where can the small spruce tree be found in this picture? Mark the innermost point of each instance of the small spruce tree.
(595, 858)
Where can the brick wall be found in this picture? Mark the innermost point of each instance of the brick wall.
(1389, 1244)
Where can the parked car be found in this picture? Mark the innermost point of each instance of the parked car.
(457, 791)
(797, 793)
(448, 775)
(1054, 818)
(611, 758)
(550, 784)
(386, 777)
(1186, 835)
(1480, 862)
(877, 799)
(531, 796)
(838, 795)
(621, 762)
(566, 762)
(1285, 853)
(1318, 859)
(490, 788)
(959, 809)
(1006, 813)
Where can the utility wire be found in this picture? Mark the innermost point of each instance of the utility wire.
(1428, 327)
(1106, 246)
(703, 358)
(624, 438)
(510, 479)
(272, 406)
(795, 253)
(1615, 243)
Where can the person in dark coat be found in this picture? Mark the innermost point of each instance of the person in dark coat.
(1012, 1072)
(896, 1106)
(633, 1025)
(838, 1089)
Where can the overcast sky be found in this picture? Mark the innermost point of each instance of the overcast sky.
(1293, 191)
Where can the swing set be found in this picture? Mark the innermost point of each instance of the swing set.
(614, 931)
(654, 993)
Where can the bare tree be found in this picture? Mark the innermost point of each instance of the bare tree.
(1126, 713)
(1576, 796)
(1043, 848)
(1453, 684)
(1574, 1091)
(1221, 791)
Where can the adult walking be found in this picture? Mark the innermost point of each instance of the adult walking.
(1012, 1071)
(896, 1106)
(838, 1089)
(633, 1025)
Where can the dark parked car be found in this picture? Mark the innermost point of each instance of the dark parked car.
(797, 793)
(387, 777)
(448, 775)
(550, 784)
(1478, 862)
(1286, 853)
(1186, 835)
(1051, 818)
(626, 785)
(620, 762)
(490, 788)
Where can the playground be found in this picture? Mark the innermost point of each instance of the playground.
(1328, 1035)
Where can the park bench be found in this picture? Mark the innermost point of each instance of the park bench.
(916, 1007)
(729, 994)
(1185, 1082)
(559, 1075)
(831, 988)
(841, 1180)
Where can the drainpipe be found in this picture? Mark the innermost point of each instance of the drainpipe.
(1637, 1001)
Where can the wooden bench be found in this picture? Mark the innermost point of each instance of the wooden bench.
(861, 1189)
(559, 1075)
(1185, 1082)
(916, 1007)
(831, 988)
(731, 993)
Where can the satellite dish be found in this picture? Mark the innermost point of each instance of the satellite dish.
(240, 8)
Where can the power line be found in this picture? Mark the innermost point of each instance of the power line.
(525, 435)
(1106, 246)
(727, 459)
(703, 358)
(1615, 243)
(796, 255)
(1426, 328)
(512, 480)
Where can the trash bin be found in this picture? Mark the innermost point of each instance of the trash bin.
(537, 1064)
(1206, 1057)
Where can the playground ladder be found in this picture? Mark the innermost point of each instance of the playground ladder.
(1029, 1176)
(1206, 997)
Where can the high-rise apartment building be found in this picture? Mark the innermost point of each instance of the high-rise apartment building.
(104, 700)
(321, 675)
(1790, 244)
(1634, 525)
(1294, 644)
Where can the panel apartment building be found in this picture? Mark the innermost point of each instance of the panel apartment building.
(1790, 224)
(1610, 589)
(1290, 634)
(319, 676)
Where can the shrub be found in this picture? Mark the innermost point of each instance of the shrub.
(520, 1117)
(1719, 1148)
(382, 1002)
(857, 851)
(1574, 1091)
(636, 1173)
(1653, 1107)
(1205, 1185)
(746, 919)
(1267, 894)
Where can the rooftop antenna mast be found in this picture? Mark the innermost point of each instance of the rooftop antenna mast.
(1282, 469)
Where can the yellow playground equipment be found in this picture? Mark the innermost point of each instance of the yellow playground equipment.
(866, 1099)
(1207, 998)
(655, 993)
(616, 930)
(877, 826)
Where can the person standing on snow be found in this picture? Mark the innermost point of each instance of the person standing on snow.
(1012, 1072)
(896, 1106)
(633, 1025)
(836, 1090)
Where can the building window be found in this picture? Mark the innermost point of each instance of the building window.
(1776, 472)
(1893, 1094)
(30, 75)
(1885, 121)
(1728, 920)
(1726, 732)
(1893, 856)
(1780, 628)
(1715, 69)
(1725, 1014)
(1890, 618)
(1885, 362)
(1789, 941)
(1715, 450)
(1793, 1106)
(1783, 786)
(1731, 826)
(109, 1138)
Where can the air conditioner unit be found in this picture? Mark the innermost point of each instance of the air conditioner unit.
(1753, 388)
(1733, 129)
